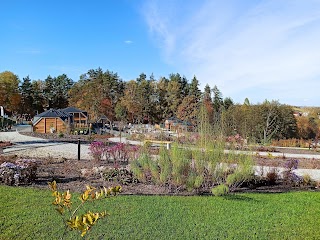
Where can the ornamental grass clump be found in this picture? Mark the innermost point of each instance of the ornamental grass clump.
(145, 169)
(200, 167)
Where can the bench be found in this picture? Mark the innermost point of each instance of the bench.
(167, 143)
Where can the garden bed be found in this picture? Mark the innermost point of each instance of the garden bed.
(75, 174)
(71, 174)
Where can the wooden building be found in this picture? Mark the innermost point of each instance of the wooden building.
(80, 118)
(177, 125)
(52, 121)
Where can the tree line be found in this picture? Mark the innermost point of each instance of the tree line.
(149, 100)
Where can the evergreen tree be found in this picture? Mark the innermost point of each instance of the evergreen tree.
(217, 99)
(26, 92)
(194, 88)
(227, 102)
(207, 93)
(38, 97)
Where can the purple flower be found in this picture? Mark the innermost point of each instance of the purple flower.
(8, 165)
(291, 164)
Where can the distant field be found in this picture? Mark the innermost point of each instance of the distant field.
(28, 214)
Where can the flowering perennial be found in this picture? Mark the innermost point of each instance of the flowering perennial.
(23, 171)
(120, 152)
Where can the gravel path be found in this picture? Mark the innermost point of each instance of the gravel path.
(42, 148)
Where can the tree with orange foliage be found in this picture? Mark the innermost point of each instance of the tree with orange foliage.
(9, 91)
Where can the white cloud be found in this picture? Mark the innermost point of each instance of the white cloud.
(128, 42)
(262, 50)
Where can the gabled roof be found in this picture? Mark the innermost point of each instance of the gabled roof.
(72, 110)
(51, 113)
(54, 113)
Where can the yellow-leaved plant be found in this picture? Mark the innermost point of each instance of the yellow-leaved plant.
(82, 223)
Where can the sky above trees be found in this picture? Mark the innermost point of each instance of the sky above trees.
(250, 49)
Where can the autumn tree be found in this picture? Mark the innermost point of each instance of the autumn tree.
(9, 91)
(97, 92)
(131, 101)
(188, 110)
(207, 103)
(307, 128)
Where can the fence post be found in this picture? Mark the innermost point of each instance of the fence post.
(78, 148)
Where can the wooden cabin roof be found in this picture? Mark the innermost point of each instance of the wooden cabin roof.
(73, 110)
(51, 113)
(54, 113)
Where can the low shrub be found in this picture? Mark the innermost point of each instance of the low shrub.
(236, 142)
(121, 175)
(272, 176)
(293, 142)
(289, 177)
(266, 149)
(97, 150)
(23, 171)
(118, 153)
(308, 181)
(220, 190)
(121, 153)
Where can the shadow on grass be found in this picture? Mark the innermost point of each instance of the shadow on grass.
(237, 197)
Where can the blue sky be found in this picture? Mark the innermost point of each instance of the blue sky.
(255, 49)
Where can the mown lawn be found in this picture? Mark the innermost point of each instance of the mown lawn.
(28, 214)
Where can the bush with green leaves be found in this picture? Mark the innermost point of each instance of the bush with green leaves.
(220, 190)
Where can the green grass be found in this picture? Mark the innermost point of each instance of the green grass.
(28, 214)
